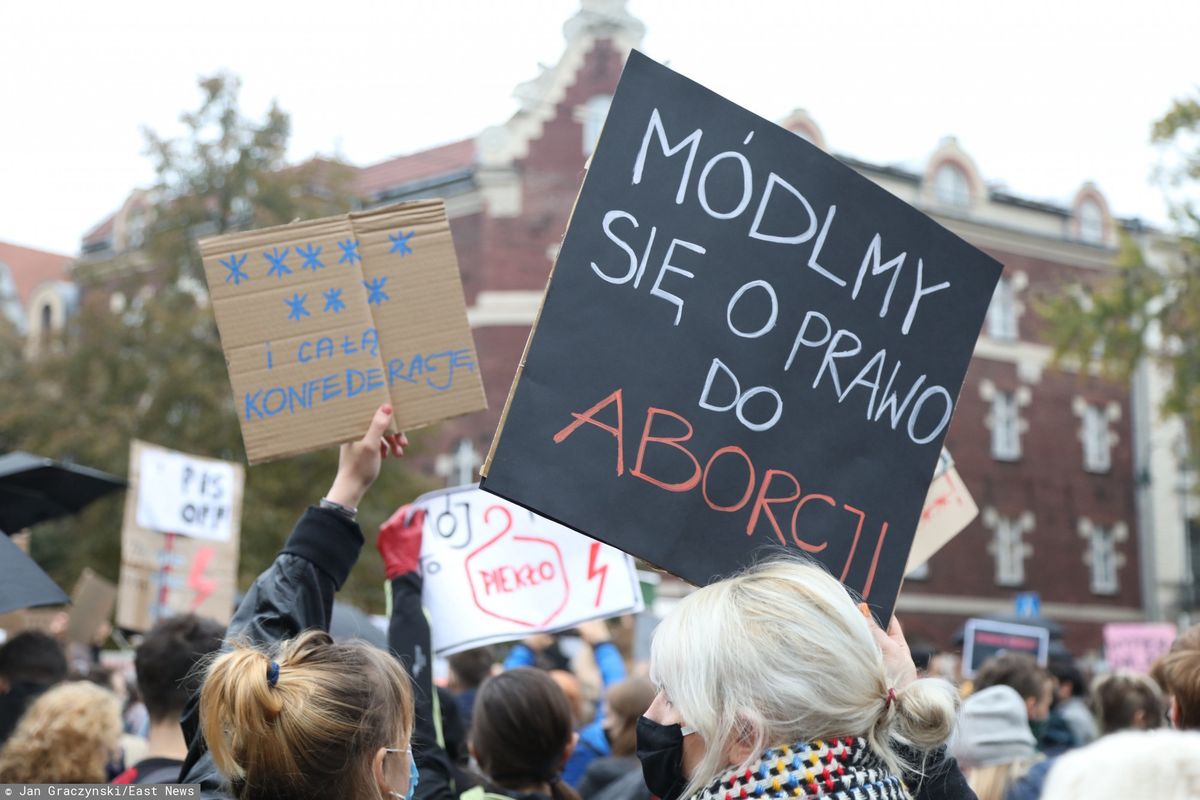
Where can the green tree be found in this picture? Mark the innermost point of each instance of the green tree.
(1143, 311)
(156, 371)
(229, 173)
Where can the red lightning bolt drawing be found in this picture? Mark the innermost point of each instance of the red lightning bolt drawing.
(594, 571)
(197, 580)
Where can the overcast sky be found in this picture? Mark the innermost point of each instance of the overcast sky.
(1044, 95)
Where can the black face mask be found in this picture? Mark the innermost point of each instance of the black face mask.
(660, 749)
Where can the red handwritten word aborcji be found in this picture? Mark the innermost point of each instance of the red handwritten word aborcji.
(764, 500)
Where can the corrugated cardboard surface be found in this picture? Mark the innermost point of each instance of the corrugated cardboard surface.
(92, 605)
(949, 509)
(148, 558)
(303, 380)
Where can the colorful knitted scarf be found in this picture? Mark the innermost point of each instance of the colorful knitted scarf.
(843, 768)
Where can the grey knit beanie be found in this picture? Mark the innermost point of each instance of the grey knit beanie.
(993, 728)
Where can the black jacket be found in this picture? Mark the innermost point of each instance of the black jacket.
(295, 594)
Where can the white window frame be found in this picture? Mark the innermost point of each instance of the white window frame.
(1009, 551)
(1097, 439)
(1103, 560)
(952, 192)
(1091, 222)
(1006, 426)
(1002, 312)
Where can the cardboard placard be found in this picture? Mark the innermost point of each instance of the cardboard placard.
(323, 321)
(949, 509)
(31, 619)
(1136, 645)
(744, 345)
(165, 572)
(984, 638)
(495, 572)
(92, 603)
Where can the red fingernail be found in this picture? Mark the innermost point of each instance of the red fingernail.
(387, 409)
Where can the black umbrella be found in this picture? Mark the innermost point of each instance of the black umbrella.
(22, 582)
(35, 489)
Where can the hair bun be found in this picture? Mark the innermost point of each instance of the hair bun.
(923, 713)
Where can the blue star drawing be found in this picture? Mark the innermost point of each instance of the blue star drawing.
(377, 295)
(234, 264)
(333, 300)
(278, 268)
(310, 257)
(296, 304)
(349, 251)
(400, 243)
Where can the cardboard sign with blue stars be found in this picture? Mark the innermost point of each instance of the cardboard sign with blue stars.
(323, 321)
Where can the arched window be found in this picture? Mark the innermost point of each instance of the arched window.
(1091, 222)
(137, 229)
(951, 187)
(47, 322)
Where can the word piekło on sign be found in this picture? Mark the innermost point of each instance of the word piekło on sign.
(323, 321)
(494, 572)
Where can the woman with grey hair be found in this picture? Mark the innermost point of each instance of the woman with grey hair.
(773, 683)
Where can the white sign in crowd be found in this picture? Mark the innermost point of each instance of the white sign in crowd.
(495, 572)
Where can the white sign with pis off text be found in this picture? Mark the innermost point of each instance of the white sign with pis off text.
(184, 495)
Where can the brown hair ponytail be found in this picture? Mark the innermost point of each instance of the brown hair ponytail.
(521, 730)
(304, 719)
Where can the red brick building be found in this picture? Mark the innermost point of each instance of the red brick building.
(1047, 454)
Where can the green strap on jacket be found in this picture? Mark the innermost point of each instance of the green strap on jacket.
(478, 793)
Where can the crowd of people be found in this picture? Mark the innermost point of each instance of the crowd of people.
(771, 683)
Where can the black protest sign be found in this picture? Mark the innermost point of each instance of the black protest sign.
(984, 638)
(744, 344)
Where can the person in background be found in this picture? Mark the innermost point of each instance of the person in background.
(1072, 702)
(1122, 701)
(167, 675)
(522, 735)
(468, 670)
(1036, 687)
(592, 743)
(132, 746)
(618, 776)
(540, 650)
(1127, 701)
(30, 663)
(70, 734)
(287, 713)
(1156, 765)
(772, 681)
(993, 742)
(522, 731)
(1181, 676)
(136, 718)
